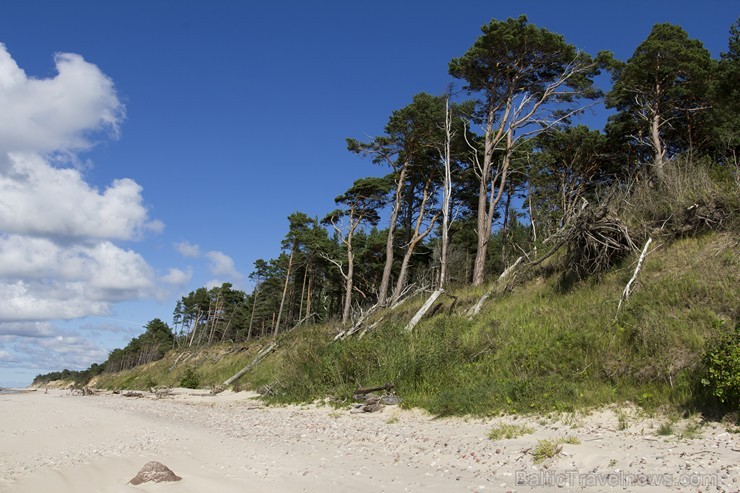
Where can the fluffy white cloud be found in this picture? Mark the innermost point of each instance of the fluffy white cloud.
(38, 199)
(188, 249)
(42, 280)
(102, 265)
(178, 277)
(222, 265)
(41, 301)
(58, 259)
(56, 114)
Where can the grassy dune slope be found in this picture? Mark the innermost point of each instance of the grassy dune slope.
(538, 348)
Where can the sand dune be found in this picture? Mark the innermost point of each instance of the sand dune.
(232, 443)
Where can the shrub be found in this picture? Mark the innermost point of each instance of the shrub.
(190, 380)
(545, 449)
(722, 374)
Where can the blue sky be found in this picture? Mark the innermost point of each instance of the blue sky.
(204, 125)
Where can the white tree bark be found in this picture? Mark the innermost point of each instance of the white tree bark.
(423, 310)
(628, 288)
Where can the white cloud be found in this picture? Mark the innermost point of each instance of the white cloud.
(63, 350)
(188, 249)
(42, 280)
(58, 259)
(103, 265)
(56, 114)
(222, 265)
(25, 301)
(26, 329)
(38, 199)
(178, 277)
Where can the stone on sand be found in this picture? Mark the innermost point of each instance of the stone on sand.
(155, 472)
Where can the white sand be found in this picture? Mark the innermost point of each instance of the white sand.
(231, 443)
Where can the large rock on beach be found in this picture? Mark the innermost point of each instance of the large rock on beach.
(155, 472)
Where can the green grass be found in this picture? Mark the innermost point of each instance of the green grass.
(571, 440)
(506, 431)
(538, 349)
(623, 420)
(665, 429)
(545, 449)
(692, 430)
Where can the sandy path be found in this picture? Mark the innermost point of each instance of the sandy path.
(229, 443)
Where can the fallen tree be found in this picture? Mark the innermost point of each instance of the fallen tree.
(260, 356)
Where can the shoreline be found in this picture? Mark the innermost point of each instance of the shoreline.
(15, 390)
(232, 442)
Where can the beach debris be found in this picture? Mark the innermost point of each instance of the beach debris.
(155, 472)
(161, 391)
(367, 390)
(132, 393)
(270, 389)
(76, 389)
(372, 404)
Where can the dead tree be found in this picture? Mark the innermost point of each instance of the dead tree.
(423, 310)
(260, 356)
(446, 157)
(628, 288)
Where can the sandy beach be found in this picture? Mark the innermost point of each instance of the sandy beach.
(231, 442)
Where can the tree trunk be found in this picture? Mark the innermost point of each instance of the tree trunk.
(260, 356)
(505, 226)
(388, 268)
(484, 221)
(285, 292)
(254, 306)
(416, 237)
(531, 219)
(484, 231)
(303, 291)
(657, 143)
(348, 285)
(195, 328)
(308, 295)
(447, 197)
(423, 310)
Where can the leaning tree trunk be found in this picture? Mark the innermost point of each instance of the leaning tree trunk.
(285, 292)
(388, 268)
(416, 237)
(254, 306)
